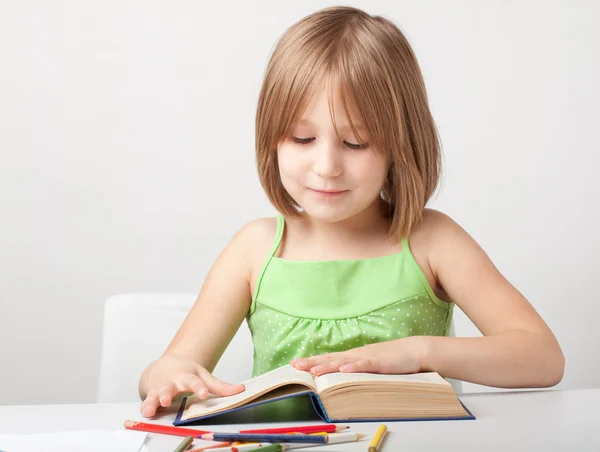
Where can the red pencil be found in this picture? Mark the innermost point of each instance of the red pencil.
(326, 428)
(164, 429)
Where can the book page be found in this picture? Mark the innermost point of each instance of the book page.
(255, 387)
(339, 379)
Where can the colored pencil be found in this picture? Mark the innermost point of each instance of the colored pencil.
(265, 437)
(328, 428)
(164, 429)
(241, 447)
(344, 437)
(334, 438)
(269, 448)
(378, 438)
(218, 446)
(185, 444)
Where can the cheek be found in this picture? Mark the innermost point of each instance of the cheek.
(288, 164)
(283, 160)
(291, 162)
(371, 171)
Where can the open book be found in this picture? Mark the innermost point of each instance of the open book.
(340, 396)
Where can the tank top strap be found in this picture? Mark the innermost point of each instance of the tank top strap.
(406, 251)
(274, 247)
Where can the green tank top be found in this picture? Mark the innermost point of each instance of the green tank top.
(305, 308)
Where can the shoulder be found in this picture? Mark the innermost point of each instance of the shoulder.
(436, 226)
(255, 240)
(445, 237)
(258, 233)
(444, 243)
(434, 236)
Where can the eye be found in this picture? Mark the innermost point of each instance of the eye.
(302, 140)
(356, 146)
(350, 145)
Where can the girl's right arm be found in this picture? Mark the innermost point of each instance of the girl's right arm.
(220, 308)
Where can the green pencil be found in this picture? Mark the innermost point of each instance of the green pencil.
(271, 448)
(184, 444)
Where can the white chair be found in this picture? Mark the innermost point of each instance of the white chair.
(137, 329)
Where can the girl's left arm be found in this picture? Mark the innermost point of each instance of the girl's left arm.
(517, 349)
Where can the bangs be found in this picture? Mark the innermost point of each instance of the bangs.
(363, 100)
(348, 68)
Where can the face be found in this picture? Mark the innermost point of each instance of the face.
(331, 178)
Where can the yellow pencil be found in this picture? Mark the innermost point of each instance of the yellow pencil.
(378, 438)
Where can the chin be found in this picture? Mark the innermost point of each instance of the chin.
(328, 214)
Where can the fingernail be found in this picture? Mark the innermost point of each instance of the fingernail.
(316, 369)
(147, 412)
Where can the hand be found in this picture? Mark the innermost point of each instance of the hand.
(171, 375)
(400, 356)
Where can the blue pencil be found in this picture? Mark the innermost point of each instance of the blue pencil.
(265, 438)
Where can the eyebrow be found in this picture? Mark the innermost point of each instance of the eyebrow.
(345, 126)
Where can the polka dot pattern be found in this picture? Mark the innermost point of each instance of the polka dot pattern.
(279, 337)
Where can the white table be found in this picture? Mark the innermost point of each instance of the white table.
(551, 420)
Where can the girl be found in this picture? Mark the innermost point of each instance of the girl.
(354, 274)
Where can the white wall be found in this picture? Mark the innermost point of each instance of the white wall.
(127, 159)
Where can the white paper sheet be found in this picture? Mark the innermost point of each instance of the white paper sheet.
(75, 441)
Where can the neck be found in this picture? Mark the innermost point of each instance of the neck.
(373, 219)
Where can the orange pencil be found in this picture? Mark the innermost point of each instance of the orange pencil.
(214, 446)
(164, 429)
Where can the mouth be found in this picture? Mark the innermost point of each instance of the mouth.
(328, 192)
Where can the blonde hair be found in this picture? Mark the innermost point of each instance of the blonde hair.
(372, 63)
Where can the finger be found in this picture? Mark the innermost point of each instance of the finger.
(309, 362)
(150, 404)
(362, 365)
(220, 388)
(194, 383)
(331, 365)
(166, 394)
(301, 364)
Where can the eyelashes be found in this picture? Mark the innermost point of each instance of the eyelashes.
(302, 140)
(350, 145)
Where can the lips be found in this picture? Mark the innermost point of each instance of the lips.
(328, 192)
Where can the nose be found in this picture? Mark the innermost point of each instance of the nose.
(327, 160)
